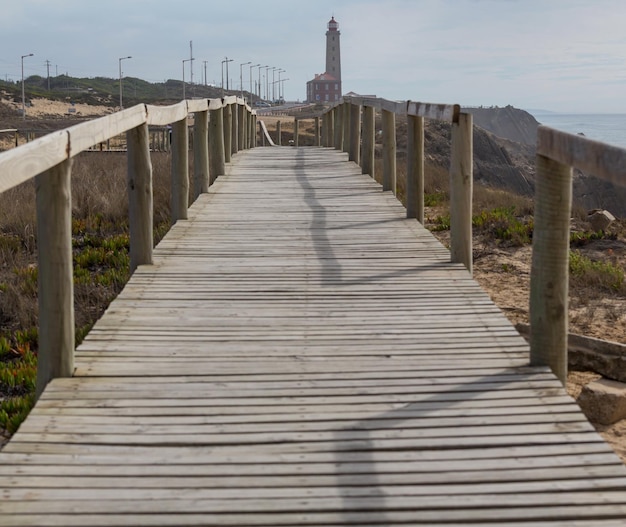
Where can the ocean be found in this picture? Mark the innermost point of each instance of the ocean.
(608, 128)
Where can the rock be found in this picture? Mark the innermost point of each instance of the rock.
(600, 219)
(604, 401)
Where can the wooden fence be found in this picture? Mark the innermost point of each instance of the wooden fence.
(349, 126)
(221, 128)
(557, 154)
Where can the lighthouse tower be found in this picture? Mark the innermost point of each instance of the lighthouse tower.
(326, 87)
(333, 52)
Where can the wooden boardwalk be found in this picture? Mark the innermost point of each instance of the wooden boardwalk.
(302, 354)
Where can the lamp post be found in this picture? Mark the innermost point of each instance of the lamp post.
(253, 66)
(267, 82)
(282, 84)
(260, 80)
(241, 76)
(273, 84)
(279, 72)
(184, 60)
(121, 88)
(273, 89)
(225, 61)
(23, 94)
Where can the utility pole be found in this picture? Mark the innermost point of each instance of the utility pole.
(48, 68)
(205, 62)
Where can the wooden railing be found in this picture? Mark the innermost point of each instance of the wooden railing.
(221, 128)
(349, 126)
(557, 153)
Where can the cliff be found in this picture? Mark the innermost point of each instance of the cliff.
(508, 123)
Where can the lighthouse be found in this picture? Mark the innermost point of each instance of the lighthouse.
(326, 87)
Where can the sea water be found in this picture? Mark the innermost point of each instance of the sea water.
(608, 128)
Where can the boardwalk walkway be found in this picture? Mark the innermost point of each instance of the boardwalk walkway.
(301, 354)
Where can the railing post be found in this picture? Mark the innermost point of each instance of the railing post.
(461, 187)
(216, 145)
(201, 153)
(295, 132)
(241, 127)
(369, 138)
(228, 133)
(278, 133)
(338, 128)
(234, 143)
(55, 274)
(389, 150)
(140, 209)
(253, 131)
(415, 168)
(355, 134)
(346, 126)
(330, 127)
(317, 131)
(180, 171)
(550, 264)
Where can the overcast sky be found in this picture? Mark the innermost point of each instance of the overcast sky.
(560, 55)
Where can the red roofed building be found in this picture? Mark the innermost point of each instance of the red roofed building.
(326, 87)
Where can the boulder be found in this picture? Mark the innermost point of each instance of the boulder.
(600, 219)
(604, 401)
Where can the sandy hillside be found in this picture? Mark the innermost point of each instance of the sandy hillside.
(41, 108)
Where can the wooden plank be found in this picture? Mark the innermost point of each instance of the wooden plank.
(605, 161)
(18, 165)
(439, 112)
(162, 115)
(85, 135)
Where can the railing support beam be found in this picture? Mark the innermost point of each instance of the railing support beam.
(369, 138)
(55, 274)
(216, 145)
(389, 150)
(180, 171)
(201, 153)
(415, 168)
(227, 118)
(550, 265)
(355, 134)
(461, 188)
(140, 200)
(338, 127)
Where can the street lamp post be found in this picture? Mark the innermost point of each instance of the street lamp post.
(274, 83)
(260, 80)
(23, 93)
(227, 61)
(121, 89)
(267, 82)
(241, 76)
(279, 72)
(253, 66)
(281, 85)
(184, 60)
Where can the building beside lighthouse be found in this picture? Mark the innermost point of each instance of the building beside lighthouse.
(326, 87)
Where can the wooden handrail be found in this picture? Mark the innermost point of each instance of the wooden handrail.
(49, 159)
(349, 136)
(557, 154)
